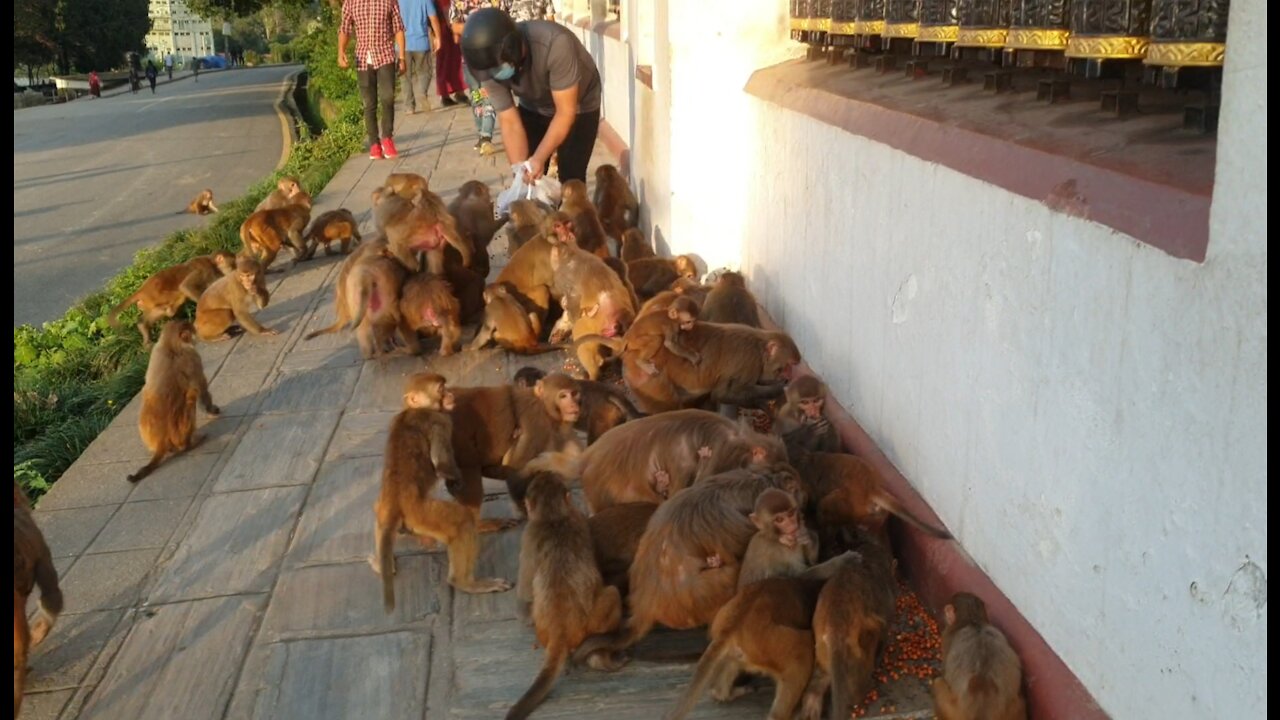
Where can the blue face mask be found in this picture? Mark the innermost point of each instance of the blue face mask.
(505, 72)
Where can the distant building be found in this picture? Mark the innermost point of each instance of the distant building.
(176, 29)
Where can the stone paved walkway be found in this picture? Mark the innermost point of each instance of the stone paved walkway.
(233, 582)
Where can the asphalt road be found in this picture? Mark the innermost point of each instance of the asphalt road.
(96, 180)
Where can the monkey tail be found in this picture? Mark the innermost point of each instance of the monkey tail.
(622, 402)
(710, 666)
(50, 592)
(593, 342)
(113, 316)
(565, 464)
(557, 656)
(386, 550)
(365, 292)
(890, 503)
(542, 348)
(616, 641)
(841, 683)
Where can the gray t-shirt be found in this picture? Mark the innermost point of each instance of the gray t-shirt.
(557, 60)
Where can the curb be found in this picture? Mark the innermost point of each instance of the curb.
(287, 110)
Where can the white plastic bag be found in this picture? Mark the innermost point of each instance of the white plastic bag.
(544, 190)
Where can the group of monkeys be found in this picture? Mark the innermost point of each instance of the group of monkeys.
(776, 541)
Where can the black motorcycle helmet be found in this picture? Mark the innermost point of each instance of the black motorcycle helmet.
(489, 39)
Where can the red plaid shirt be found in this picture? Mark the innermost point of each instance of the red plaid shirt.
(375, 24)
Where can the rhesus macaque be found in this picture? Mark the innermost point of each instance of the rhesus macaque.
(580, 279)
(499, 429)
(526, 221)
(616, 533)
(175, 382)
(266, 232)
(202, 204)
(427, 305)
(224, 310)
(731, 302)
(740, 366)
(472, 211)
(338, 226)
(686, 565)
(619, 268)
(634, 246)
(164, 293)
(850, 625)
(981, 675)
(782, 545)
(366, 296)
(616, 204)
(422, 224)
(560, 580)
(765, 629)
(651, 275)
(604, 407)
(406, 185)
(468, 288)
(32, 567)
(287, 190)
(691, 288)
(509, 323)
(605, 322)
(656, 331)
(806, 397)
(419, 451)
(587, 229)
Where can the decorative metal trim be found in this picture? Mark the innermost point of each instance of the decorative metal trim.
(1036, 39)
(868, 27)
(900, 30)
(844, 28)
(1192, 54)
(820, 24)
(1116, 47)
(982, 37)
(938, 33)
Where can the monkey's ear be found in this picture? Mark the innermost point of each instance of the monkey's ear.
(185, 334)
(755, 520)
(592, 311)
(537, 388)
(771, 349)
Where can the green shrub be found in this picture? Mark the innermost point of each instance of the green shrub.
(72, 376)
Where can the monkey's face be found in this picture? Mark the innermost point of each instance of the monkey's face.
(446, 399)
(247, 280)
(569, 404)
(811, 409)
(686, 321)
(787, 525)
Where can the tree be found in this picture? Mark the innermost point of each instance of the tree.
(78, 35)
(238, 8)
(34, 42)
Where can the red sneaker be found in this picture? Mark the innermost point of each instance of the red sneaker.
(389, 148)
(375, 152)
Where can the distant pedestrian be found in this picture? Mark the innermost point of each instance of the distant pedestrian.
(379, 32)
(95, 84)
(168, 64)
(195, 69)
(152, 72)
(421, 36)
(450, 84)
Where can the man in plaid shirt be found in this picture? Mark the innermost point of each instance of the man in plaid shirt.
(376, 24)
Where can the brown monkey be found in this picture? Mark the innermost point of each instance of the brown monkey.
(731, 302)
(616, 204)
(656, 331)
(468, 288)
(422, 224)
(634, 247)
(32, 567)
(529, 270)
(526, 221)
(615, 533)
(767, 629)
(420, 449)
(333, 226)
(806, 397)
(164, 293)
(560, 580)
(287, 188)
(587, 229)
(266, 232)
(580, 279)
(651, 275)
(981, 675)
(850, 624)
(604, 407)
(223, 309)
(608, 318)
(619, 268)
(175, 382)
(782, 545)
(366, 296)
(691, 288)
(509, 323)
(472, 210)
(406, 185)
(427, 305)
(202, 204)
(497, 430)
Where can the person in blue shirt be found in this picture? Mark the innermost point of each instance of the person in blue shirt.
(421, 36)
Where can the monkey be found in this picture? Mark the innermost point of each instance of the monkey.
(619, 268)
(366, 296)
(526, 218)
(163, 294)
(616, 204)
(427, 305)
(587, 228)
(581, 277)
(731, 302)
(662, 301)
(32, 567)
(419, 450)
(782, 545)
(560, 580)
(406, 185)
(528, 272)
(497, 430)
(333, 226)
(472, 210)
(175, 381)
(663, 330)
(691, 288)
(634, 247)
(981, 674)
(607, 319)
(202, 204)
(510, 324)
(850, 625)
(287, 189)
(615, 533)
(604, 407)
(468, 287)
(266, 232)
(806, 397)
(652, 275)
(420, 224)
(223, 309)
(767, 629)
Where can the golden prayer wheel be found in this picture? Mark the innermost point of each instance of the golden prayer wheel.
(1107, 31)
(801, 14)
(868, 19)
(939, 21)
(1038, 25)
(843, 26)
(983, 23)
(901, 19)
(1182, 39)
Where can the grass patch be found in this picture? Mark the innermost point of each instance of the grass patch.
(72, 376)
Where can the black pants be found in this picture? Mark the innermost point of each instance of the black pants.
(575, 153)
(378, 91)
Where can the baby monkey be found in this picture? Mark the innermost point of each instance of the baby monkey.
(656, 330)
